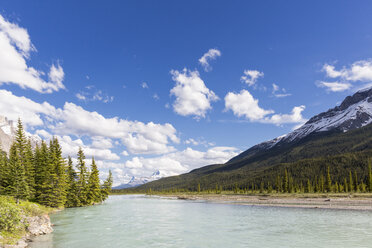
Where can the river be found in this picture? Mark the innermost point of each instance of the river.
(143, 221)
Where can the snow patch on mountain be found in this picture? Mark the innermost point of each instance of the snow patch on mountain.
(136, 181)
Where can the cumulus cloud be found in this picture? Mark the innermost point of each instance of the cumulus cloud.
(15, 107)
(138, 137)
(212, 54)
(15, 49)
(193, 98)
(179, 161)
(243, 104)
(144, 85)
(334, 86)
(294, 117)
(250, 77)
(359, 71)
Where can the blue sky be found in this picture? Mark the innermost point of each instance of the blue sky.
(123, 79)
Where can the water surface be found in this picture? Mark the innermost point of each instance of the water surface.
(142, 221)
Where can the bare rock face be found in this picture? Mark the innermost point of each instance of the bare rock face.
(39, 225)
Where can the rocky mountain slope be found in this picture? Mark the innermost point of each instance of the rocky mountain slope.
(7, 132)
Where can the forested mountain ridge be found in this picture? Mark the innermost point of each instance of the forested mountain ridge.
(340, 139)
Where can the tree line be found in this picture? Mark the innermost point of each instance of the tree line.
(42, 175)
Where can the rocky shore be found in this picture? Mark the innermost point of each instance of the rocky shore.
(36, 225)
(345, 202)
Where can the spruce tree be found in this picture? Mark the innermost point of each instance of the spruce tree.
(17, 187)
(72, 189)
(30, 168)
(286, 188)
(83, 176)
(328, 181)
(356, 186)
(58, 175)
(308, 186)
(346, 187)
(94, 192)
(351, 185)
(106, 187)
(369, 175)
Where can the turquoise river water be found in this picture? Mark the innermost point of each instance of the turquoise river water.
(142, 221)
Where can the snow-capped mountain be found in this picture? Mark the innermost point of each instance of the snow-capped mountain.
(136, 181)
(354, 112)
(7, 134)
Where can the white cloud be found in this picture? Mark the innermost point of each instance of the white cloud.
(334, 86)
(192, 142)
(179, 162)
(212, 54)
(156, 96)
(294, 117)
(192, 96)
(250, 77)
(243, 104)
(358, 71)
(91, 93)
(125, 153)
(138, 137)
(101, 142)
(144, 85)
(15, 49)
(279, 92)
(14, 107)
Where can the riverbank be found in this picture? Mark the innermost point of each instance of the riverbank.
(20, 222)
(321, 201)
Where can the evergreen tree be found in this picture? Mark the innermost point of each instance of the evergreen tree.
(329, 181)
(17, 186)
(106, 188)
(58, 175)
(72, 189)
(278, 184)
(346, 187)
(351, 185)
(322, 184)
(94, 191)
(30, 168)
(369, 175)
(286, 189)
(308, 186)
(43, 169)
(83, 176)
(356, 186)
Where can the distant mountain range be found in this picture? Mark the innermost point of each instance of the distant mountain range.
(340, 134)
(136, 181)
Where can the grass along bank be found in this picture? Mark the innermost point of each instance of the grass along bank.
(20, 221)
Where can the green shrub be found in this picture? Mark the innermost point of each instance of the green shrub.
(10, 216)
